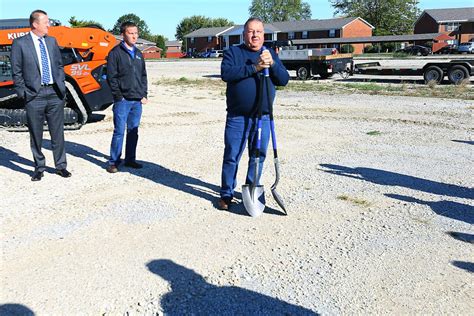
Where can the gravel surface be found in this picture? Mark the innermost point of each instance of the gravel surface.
(380, 212)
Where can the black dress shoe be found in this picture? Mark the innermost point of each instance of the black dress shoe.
(37, 175)
(134, 165)
(64, 173)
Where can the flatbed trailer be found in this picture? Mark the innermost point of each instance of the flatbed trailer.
(311, 62)
(457, 70)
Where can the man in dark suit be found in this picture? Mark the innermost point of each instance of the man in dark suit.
(38, 77)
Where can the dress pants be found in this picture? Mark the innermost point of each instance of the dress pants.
(46, 106)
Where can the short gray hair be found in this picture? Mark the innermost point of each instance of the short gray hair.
(252, 19)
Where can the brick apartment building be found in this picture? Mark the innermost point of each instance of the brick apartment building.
(223, 37)
(458, 23)
(173, 49)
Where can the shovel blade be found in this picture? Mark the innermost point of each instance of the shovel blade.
(279, 200)
(254, 199)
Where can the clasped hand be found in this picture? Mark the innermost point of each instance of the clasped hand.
(265, 60)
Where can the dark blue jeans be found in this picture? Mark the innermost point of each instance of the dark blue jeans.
(126, 114)
(240, 130)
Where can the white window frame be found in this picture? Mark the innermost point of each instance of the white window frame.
(332, 33)
(209, 39)
(192, 40)
(304, 34)
(291, 35)
(451, 26)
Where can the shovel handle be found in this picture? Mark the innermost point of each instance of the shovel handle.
(274, 141)
(266, 72)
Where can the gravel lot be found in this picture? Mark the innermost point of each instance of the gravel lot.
(380, 212)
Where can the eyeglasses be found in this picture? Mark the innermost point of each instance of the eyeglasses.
(254, 32)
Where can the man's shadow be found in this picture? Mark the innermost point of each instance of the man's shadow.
(15, 310)
(454, 210)
(468, 266)
(397, 179)
(157, 174)
(462, 236)
(192, 295)
(10, 159)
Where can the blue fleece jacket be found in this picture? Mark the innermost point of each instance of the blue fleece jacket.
(238, 70)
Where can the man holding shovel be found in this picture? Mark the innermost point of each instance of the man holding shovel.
(240, 68)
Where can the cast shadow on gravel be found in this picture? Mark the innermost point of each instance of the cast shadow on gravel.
(192, 295)
(454, 210)
(469, 142)
(15, 310)
(150, 171)
(462, 236)
(161, 175)
(10, 159)
(468, 266)
(397, 179)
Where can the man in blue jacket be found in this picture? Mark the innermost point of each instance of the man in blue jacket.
(126, 75)
(240, 68)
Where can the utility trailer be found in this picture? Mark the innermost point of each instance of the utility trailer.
(324, 62)
(457, 70)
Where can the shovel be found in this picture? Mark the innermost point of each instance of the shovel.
(275, 194)
(253, 195)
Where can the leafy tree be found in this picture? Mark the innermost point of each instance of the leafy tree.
(160, 41)
(81, 23)
(195, 22)
(144, 31)
(389, 17)
(280, 10)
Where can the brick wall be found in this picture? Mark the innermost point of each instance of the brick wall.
(201, 44)
(356, 28)
(152, 55)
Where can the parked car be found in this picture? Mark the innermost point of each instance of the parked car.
(417, 50)
(448, 49)
(467, 47)
(216, 53)
(203, 54)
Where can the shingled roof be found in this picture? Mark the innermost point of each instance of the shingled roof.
(208, 31)
(451, 15)
(315, 25)
(287, 26)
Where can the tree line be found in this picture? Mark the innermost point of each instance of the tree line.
(389, 17)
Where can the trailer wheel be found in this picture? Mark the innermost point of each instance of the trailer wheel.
(433, 73)
(457, 74)
(302, 73)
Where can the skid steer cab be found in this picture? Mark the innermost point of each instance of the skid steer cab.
(84, 53)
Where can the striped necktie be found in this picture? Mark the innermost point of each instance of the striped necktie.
(45, 78)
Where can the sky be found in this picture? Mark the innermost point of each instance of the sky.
(162, 17)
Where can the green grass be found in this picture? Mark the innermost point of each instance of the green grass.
(461, 91)
(355, 201)
(374, 133)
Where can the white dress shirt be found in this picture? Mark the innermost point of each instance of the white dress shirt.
(38, 53)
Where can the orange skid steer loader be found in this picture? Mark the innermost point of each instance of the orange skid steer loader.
(84, 51)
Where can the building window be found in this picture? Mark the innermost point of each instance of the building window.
(304, 35)
(209, 39)
(453, 26)
(332, 33)
(192, 40)
(291, 35)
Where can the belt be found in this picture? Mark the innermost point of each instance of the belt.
(47, 85)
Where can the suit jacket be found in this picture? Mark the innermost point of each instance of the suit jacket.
(26, 67)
